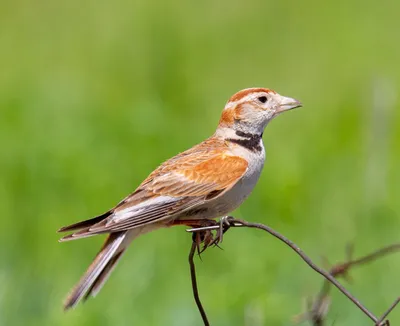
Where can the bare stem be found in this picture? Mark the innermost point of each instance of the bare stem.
(382, 321)
(337, 270)
(194, 284)
(341, 269)
(309, 262)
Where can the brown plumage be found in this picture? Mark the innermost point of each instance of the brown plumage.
(206, 181)
(193, 174)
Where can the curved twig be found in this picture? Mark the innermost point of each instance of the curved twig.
(309, 262)
(341, 270)
(329, 276)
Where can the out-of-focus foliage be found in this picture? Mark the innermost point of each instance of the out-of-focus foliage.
(95, 94)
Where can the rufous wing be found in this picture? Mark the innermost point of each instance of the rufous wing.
(220, 172)
(185, 181)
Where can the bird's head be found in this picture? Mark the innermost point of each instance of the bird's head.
(250, 110)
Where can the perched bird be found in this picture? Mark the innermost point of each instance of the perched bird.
(207, 181)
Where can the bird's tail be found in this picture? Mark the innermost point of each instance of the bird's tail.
(100, 269)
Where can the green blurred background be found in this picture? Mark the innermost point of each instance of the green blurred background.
(95, 94)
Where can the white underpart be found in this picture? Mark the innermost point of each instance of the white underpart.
(242, 189)
(234, 197)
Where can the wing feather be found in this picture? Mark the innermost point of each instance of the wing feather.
(189, 179)
(216, 173)
(186, 187)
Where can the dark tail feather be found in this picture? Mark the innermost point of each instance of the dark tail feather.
(98, 271)
(103, 277)
(85, 224)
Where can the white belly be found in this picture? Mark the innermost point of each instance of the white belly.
(234, 197)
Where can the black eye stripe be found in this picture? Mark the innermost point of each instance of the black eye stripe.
(262, 99)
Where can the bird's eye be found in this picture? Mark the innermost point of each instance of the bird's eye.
(262, 99)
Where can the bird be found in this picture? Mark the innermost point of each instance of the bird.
(201, 184)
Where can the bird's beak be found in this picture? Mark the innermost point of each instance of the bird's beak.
(287, 103)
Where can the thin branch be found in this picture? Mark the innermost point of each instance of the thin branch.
(309, 262)
(375, 255)
(194, 284)
(341, 270)
(381, 321)
(329, 276)
(315, 311)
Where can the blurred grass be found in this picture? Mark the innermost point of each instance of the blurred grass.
(95, 94)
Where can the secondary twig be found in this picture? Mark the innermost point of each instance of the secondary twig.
(387, 312)
(327, 275)
(309, 262)
(341, 269)
(318, 308)
(375, 255)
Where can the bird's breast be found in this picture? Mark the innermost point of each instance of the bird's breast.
(234, 197)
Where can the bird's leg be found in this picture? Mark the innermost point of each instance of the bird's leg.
(201, 236)
(224, 225)
(205, 227)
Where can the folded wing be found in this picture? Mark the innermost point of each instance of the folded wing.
(185, 181)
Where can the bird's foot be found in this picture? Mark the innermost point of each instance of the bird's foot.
(203, 232)
(224, 225)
